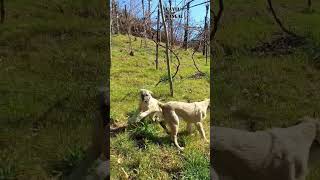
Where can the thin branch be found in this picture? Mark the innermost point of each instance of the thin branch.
(194, 63)
(177, 66)
(278, 20)
(194, 51)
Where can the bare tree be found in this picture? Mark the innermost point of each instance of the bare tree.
(204, 49)
(144, 25)
(177, 65)
(114, 20)
(167, 48)
(128, 22)
(158, 40)
(149, 16)
(186, 27)
(2, 11)
(171, 24)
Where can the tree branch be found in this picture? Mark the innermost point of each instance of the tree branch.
(278, 20)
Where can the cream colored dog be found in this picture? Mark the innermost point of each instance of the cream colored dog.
(150, 106)
(192, 113)
(170, 112)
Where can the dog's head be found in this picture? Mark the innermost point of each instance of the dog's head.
(145, 95)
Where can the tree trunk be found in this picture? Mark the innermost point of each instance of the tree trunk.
(309, 4)
(149, 16)
(128, 22)
(207, 47)
(158, 41)
(144, 25)
(112, 19)
(215, 20)
(2, 13)
(204, 47)
(167, 48)
(186, 27)
(117, 19)
(171, 24)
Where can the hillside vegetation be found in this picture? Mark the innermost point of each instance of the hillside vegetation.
(146, 151)
(262, 77)
(51, 62)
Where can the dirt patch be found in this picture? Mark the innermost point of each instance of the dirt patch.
(282, 45)
(198, 75)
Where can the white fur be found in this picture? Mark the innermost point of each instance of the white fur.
(170, 112)
(150, 107)
(192, 113)
(275, 154)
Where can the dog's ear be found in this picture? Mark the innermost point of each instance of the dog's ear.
(150, 92)
(146, 90)
(141, 90)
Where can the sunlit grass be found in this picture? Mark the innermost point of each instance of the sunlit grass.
(146, 151)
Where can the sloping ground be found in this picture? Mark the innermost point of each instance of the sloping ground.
(146, 152)
(262, 78)
(51, 63)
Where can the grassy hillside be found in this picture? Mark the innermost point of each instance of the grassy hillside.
(146, 151)
(263, 78)
(51, 62)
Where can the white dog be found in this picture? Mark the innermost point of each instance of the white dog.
(277, 154)
(150, 106)
(170, 112)
(192, 113)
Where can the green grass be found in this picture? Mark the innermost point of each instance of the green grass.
(146, 151)
(270, 90)
(51, 64)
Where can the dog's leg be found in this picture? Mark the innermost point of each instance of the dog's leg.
(302, 169)
(201, 131)
(291, 171)
(163, 125)
(173, 120)
(189, 128)
(174, 135)
(143, 115)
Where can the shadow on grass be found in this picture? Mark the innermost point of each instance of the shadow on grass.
(174, 172)
(146, 132)
(64, 167)
(282, 45)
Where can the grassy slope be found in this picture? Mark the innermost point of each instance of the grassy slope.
(153, 156)
(50, 66)
(268, 90)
